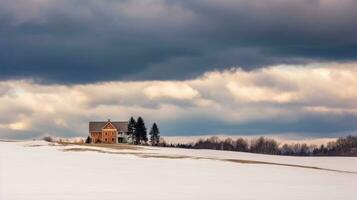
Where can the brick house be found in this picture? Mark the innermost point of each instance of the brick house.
(109, 132)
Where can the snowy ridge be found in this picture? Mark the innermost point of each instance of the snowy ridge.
(39, 170)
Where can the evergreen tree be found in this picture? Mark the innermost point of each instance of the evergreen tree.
(88, 140)
(131, 129)
(154, 135)
(140, 131)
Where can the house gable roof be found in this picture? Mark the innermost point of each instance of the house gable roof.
(99, 125)
(109, 125)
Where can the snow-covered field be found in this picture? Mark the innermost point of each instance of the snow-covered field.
(41, 171)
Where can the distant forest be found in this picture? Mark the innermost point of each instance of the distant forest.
(344, 146)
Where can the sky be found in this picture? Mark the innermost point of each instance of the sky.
(196, 67)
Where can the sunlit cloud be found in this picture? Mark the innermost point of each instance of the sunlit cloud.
(174, 90)
(234, 98)
(21, 126)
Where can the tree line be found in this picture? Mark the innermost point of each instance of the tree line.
(344, 146)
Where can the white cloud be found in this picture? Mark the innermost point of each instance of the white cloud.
(18, 126)
(174, 90)
(235, 96)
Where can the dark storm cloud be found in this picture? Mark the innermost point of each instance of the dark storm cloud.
(85, 41)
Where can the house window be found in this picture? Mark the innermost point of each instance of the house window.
(112, 139)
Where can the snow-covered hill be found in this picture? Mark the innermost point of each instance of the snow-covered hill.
(40, 171)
